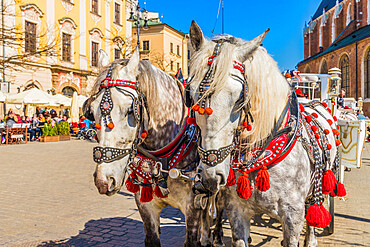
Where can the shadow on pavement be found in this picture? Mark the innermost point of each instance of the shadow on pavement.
(123, 231)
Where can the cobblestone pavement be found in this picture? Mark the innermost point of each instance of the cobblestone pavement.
(48, 198)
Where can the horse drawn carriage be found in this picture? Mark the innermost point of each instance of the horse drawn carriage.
(352, 128)
(236, 139)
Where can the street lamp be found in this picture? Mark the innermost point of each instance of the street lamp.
(135, 17)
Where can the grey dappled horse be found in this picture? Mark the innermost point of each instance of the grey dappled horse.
(163, 117)
(291, 180)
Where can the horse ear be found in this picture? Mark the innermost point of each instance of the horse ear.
(196, 36)
(103, 59)
(250, 47)
(133, 63)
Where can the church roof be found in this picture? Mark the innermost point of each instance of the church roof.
(325, 4)
(356, 36)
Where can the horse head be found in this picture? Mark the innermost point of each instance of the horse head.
(220, 91)
(114, 107)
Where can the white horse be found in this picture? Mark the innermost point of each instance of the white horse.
(257, 94)
(142, 102)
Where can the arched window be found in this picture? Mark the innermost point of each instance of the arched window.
(30, 86)
(68, 91)
(367, 73)
(324, 67)
(307, 69)
(344, 67)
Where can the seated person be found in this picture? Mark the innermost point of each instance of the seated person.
(10, 120)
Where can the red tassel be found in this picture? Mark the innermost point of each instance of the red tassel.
(263, 179)
(338, 128)
(201, 111)
(324, 104)
(326, 131)
(146, 192)
(231, 180)
(335, 118)
(308, 119)
(315, 115)
(314, 128)
(144, 134)
(338, 142)
(328, 181)
(329, 146)
(249, 127)
(111, 125)
(158, 192)
(326, 216)
(209, 111)
(329, 110)
(133, 188)
(336, 132)
(98, 126)
(191, 121)
(315, 216)
(317, 136)
(341, 190)
(244, 186)
(195, 107)
(329, 121)
(301, 107)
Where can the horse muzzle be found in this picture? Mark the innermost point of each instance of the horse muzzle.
(209, 180)
(106, 182)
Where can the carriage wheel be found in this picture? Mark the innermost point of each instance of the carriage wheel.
(90, 133)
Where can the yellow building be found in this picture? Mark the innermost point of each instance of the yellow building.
(164, 46)
(71, 32)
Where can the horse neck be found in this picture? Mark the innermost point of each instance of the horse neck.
(166, 109)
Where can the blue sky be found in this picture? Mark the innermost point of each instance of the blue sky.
(246, 19)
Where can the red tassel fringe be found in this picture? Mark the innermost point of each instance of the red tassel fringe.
(328, 181)
(341, 190)
(308, 119)
(158, 192)
(315, 115)
(146, 192)
(231, 180)
(263, 179)
(326, 216)
(315, 216)
(244, 186)
(301, 107)
(324, 104)
(133, 188)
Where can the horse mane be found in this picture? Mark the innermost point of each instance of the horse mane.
(267, 88)
(159, 88)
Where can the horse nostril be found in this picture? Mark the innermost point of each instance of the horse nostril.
(222, 178)
(111, 184)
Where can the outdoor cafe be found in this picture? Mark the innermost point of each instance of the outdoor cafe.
(36, 115)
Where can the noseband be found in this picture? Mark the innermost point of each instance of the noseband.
(109, 154)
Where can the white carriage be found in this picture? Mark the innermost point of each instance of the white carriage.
(352, 127)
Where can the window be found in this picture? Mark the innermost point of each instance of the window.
(117, 13)
(367, 74)
(189, 54)
(171, 47)
(94, 54)
(178, 67)
(171, 65)
(344, 67)
(68, 91)
(95, 6)
(178, 50)
(324, 68)
(146, 45)
(30, 37)
(66, 47)
(117, 54)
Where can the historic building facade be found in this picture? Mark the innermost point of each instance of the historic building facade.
(338, 35)
(75, 30)
(163, 45)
